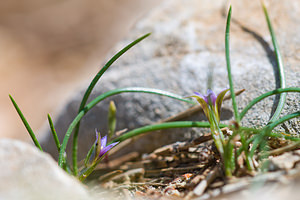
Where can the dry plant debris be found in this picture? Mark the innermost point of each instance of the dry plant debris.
(187, 170)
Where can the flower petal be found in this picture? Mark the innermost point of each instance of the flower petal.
(97, 134)
(103, 142)
(98, 143)
(219, 101)
(106, 149)
(211, 97)
(204, 105)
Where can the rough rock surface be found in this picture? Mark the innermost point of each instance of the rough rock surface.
(27, 173)
(187, 43)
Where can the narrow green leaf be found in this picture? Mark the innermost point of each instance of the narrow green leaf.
(89, 154)
(283, 119)
(261, 138)
(57, 143)
(105, 67)
(245, 147)
(227, 52)
(27, 126)
(280, 67)
(228, 159)
(265, 95)
(287, 137)
(89, 90)
(166, 125)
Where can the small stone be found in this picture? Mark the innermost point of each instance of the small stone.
(285, 161)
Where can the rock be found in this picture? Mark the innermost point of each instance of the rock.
(186, 45)
(286, 161)
(28, 173)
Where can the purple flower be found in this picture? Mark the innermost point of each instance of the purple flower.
(101, 147)
(211, 103)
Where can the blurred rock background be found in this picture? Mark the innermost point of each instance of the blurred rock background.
(49, 47)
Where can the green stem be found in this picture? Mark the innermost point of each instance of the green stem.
(228, 158)
(245, 146)
(87, 171)
(216, 133)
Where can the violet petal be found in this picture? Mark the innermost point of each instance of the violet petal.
(106, 149)
(103, 142)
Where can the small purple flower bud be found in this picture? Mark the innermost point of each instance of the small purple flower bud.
(101, 148)
(211, 97)
(211, 102)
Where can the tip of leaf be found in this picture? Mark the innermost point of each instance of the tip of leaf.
(146, 35)
(12, 99)
(230, 8)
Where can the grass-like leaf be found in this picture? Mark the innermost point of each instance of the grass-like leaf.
(145, 129)
(280, 67)
(166, 125)
(54, 134)
(261, 138)
(272, 125)
(26, 124)
(287, 137)
(227, 53)
(89, 90)
(105, 67)
(89, 154)
(104, 96)
(265, 95)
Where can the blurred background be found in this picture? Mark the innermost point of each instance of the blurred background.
(49, 47)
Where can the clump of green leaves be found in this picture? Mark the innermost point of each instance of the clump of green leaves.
(83, 109)
(211, 104)
(253, 139)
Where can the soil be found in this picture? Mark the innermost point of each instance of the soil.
(192, 170)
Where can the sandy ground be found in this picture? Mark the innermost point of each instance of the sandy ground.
(49, 47)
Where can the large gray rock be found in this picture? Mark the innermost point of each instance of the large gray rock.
(187, 43)
(28, 173)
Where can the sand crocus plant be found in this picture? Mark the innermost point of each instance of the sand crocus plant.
(98, 149)
(253, 140)
(211, 105)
